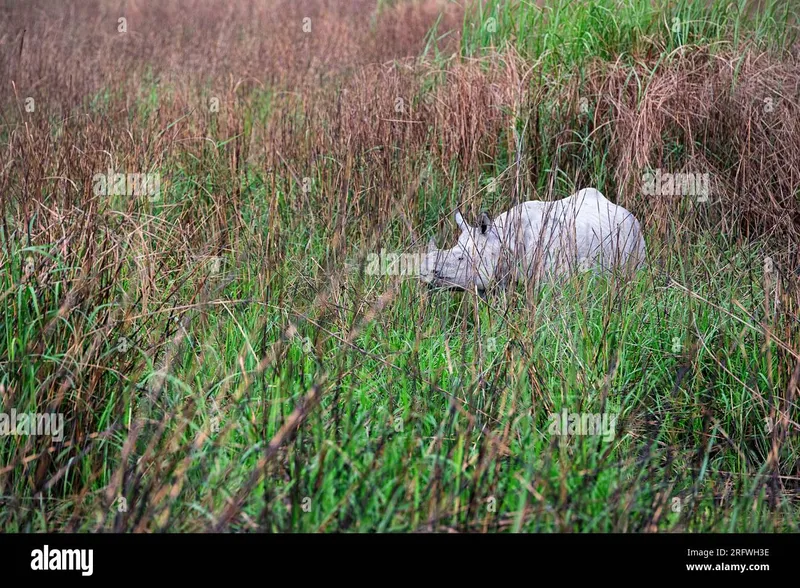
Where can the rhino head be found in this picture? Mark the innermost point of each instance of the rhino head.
(471, 264)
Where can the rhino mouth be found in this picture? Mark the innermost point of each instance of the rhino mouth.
(443, 285)
(436, 281)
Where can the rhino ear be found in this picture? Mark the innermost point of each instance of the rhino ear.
(460, 223)
(432, 245)
(484, 222)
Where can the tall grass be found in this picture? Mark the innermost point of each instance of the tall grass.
(565, 34)
(224, 361)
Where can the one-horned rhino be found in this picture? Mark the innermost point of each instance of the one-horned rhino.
(536, 240)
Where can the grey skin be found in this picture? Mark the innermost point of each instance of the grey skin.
(538, 240)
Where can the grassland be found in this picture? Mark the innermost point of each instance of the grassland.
(224, 362)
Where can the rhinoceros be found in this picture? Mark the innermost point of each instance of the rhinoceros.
(538, 240)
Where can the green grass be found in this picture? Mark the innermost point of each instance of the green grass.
(391, 446)
(568, 33)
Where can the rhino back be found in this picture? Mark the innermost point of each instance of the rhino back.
(553, 236)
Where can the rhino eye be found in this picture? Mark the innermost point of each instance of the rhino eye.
(461, 258)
